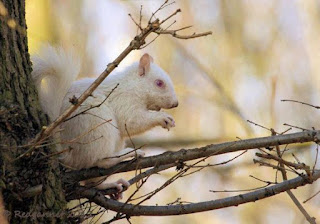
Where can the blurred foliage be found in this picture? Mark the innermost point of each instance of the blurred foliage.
(261, 51)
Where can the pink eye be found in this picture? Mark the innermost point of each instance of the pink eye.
(159, 83)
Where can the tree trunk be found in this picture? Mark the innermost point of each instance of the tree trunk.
(21, 119)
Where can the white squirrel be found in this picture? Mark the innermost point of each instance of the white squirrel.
(132, 108)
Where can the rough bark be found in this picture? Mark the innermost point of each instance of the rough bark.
(21, 119)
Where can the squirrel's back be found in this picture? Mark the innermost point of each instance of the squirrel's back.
(54, 70)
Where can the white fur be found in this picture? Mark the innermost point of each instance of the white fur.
(53, 71)
(128, 106)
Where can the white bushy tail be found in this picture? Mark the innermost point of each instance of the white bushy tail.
(54, 69)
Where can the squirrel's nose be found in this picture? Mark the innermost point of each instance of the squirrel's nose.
(175, 104)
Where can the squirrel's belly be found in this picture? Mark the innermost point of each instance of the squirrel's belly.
(90, 137)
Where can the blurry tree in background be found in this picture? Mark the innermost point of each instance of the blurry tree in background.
(261, 51)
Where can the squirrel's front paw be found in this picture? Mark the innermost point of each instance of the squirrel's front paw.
(120, 185)
(167, 121)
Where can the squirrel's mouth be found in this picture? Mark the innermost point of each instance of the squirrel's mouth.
(155, 108)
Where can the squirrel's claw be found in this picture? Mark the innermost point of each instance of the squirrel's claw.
(168, 123)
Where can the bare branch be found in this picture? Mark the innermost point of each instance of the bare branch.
(183, 28)
(165, 4)
(259, 125)
(285, 177)
(140, 20)
(263, 163)
(95, 106)
(137, 24)
(173, 14)
(300, 166)
(311, 197)
(296, 101)
(134, 210)
(263, 181)
(174, 34)
(292, 126)
(191, 154)
(240, 190)
(213, 165)
(316, 160)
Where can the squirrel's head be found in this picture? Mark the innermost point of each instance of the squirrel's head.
(159, 91)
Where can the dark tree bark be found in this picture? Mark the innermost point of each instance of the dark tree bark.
(21, 119)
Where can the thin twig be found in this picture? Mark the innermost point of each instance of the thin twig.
(259, 125)
(241, 190)
(289, 192)
(300, 166)
(165, 4)
(173, 14)
(174, 34)
(311, 197)
(213, 165)
(296, 101)
(292, 126)
(95, 106)
(285, 131)
(175, 177)
(183, 28)
(263, 163)
(316, 160)
(264, 181)
(137, 24)
(140, 20)
(295, 157)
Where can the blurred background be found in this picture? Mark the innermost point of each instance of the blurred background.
(261, 51)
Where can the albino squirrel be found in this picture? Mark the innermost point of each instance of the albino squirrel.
(132, 108)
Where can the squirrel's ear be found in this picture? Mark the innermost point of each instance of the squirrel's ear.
(144, 64)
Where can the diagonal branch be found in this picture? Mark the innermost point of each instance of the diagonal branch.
(191, 154)
(303, 103)
(136, 43)
(300, 166)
